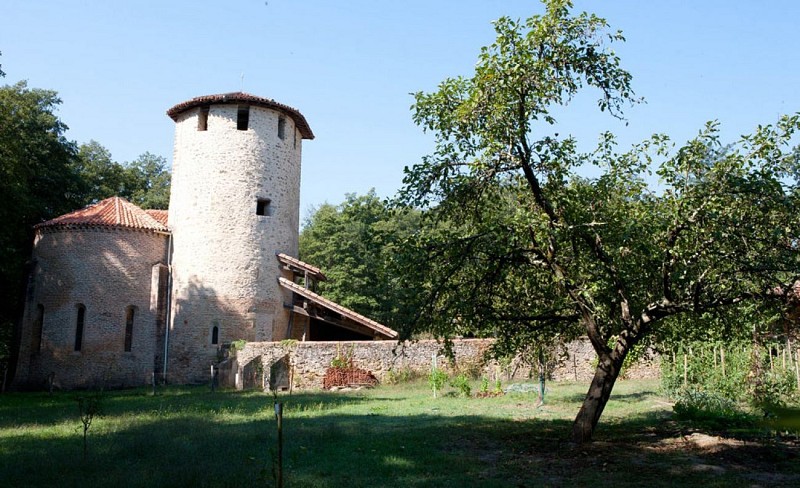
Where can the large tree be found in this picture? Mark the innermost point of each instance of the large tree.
(37, 182)
(144, 181)
(540, 250)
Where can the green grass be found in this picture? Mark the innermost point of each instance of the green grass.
(389, 436)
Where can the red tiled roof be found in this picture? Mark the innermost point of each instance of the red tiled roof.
(111, 212)
(241, 97)
(160, 215)
(335, 307)
(302, 266)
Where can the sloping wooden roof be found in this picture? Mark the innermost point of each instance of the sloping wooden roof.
(244, 98)
(380, 329)
(114, 212)
(301, 267)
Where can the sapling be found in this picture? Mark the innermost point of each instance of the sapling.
(88, 408)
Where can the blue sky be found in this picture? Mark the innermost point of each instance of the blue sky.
(350, 65)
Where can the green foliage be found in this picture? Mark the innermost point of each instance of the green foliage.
(436, 380)
(237, 345)
(402, 375)
(517, 244)
(710, 409)
(36, 183)
(355, 244)
(461, 383)
(484, 385)
(144, 181)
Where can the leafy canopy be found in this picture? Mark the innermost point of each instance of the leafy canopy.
(531, 248)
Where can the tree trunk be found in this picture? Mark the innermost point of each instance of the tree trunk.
(599, 392)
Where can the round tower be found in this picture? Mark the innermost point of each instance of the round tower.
(234, 204)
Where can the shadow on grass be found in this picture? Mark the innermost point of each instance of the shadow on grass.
(229, 439)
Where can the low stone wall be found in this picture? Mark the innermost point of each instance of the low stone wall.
(307, 361)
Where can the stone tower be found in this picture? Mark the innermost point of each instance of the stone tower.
(234, 205)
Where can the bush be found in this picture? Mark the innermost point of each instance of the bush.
(461, 383)
(709, 408)
(436, 380)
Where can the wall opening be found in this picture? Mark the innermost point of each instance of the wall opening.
(243, 117)
(202, 119)
(264, 207)
(281, 128)
(38, 328)
(129, 314)
(215, 335)
(79, 323)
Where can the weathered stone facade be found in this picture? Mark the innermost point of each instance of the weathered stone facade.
(309, 360)
(105, 272)
(223, 264)
(117, 295)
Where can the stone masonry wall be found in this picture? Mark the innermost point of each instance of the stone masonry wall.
(309, 360)
(225, 269)
(106, 271)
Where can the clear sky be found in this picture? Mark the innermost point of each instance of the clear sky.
(350, 65)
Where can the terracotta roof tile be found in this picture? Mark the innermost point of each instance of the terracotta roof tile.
(335, 307)
(246, 98)
(111, 212)
(160, 215)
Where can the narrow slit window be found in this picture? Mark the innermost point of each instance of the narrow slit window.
(215, 335)
(129, 314)
(294, 143)
(202, 119)
(281, 128)
(38, 326)
(264, 207)
(243, 117)
(79, 323)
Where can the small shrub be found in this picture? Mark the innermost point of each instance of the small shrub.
(709, 408)
(238, 345)
(484, 385)
(88, 408)
(461, 383)
(436, 380)
(403, 375)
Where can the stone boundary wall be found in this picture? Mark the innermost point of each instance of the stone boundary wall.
(250, 366)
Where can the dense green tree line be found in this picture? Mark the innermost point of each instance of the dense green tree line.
(355, 243)
(43, 175)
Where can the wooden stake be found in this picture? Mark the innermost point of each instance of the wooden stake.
(714, 353)
(685, 367)
(797, 367)
(722, 359)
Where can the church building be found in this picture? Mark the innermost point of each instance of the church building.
(118, 294)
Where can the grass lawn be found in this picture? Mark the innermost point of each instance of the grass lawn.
(387, 436)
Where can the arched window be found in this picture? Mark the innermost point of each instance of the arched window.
(215, 335)
(79, 322)
(129, 313)
(38, 327)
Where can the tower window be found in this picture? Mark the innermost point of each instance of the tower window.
(38, 326)
(129, 313)
(263, 207)
(79, 322)
(243, 117)
(281, 128)
(202, 119)
(215, 335)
